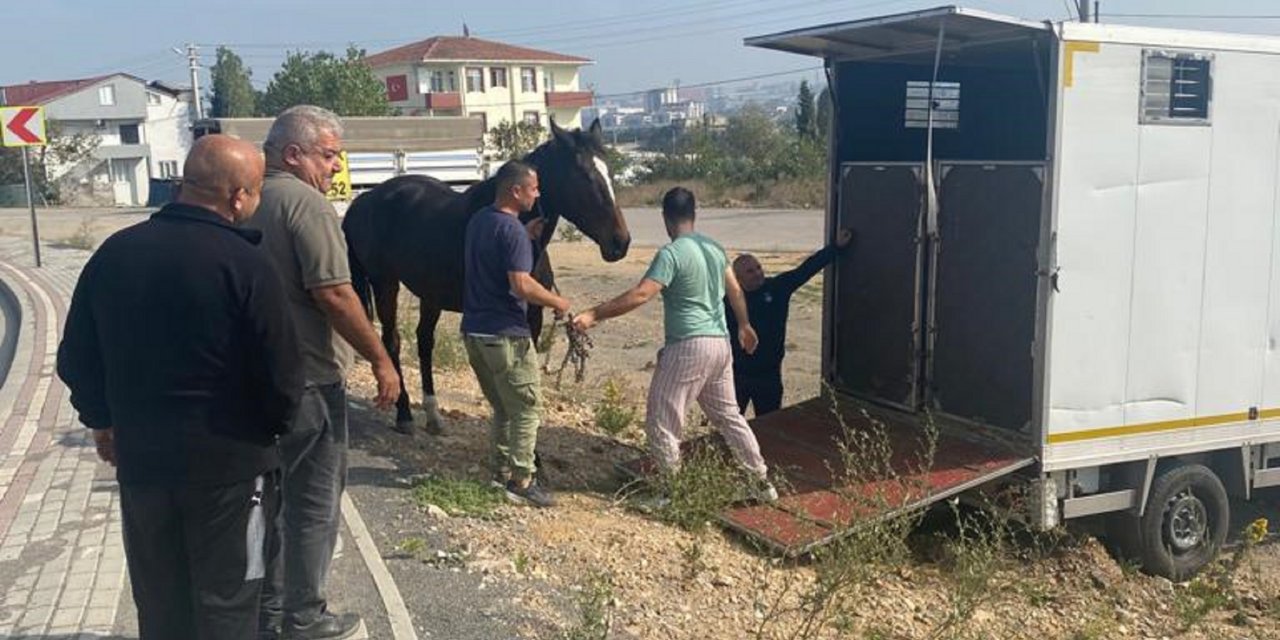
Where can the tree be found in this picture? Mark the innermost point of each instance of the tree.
(806, 124)
(48, 163)
(233, 94)
(826, 111)
(345, 86)
(513, 140)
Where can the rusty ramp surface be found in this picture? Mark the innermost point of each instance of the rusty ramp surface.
(896, 466)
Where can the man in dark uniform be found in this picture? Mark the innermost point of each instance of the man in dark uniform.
(757, 377)
(181, 357)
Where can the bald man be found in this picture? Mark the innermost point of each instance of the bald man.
(182, 360)
(757, 377)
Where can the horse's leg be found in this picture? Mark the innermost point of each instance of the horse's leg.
(428, 316)
(386, 298)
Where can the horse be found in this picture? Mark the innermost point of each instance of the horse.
(411, 230)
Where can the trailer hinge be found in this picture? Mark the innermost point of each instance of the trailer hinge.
(1052, 276)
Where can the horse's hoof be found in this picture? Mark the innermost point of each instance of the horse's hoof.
(433, 427)
(403, 428)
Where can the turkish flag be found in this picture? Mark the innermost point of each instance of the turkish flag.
(397, 88)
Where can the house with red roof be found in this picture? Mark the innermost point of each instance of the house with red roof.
(137, 130)
(493, 81)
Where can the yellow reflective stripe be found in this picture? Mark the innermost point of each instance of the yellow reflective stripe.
(1156, 427)
(1069, 62)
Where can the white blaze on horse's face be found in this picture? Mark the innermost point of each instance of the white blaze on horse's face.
(603, 170)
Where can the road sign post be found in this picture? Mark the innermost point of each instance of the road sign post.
(24, 127)
(31, 203)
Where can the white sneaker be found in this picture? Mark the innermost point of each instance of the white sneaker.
(765, 492)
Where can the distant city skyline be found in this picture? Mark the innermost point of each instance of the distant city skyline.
(635, 46)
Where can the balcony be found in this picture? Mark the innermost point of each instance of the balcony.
(449, 100)
(568, 99)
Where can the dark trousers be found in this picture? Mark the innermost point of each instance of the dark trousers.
(315, 474)
(764, 392)
(196, 556)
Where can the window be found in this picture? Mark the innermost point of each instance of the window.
(548, 81)
(444, 82)
(1177, 87)
(129, 134)
(107, 95)
(497, 77)
(153, 99)
(475, 79)
(168, 168)
(532, 117)
(946, 105)
(528, 80)
(118, 170)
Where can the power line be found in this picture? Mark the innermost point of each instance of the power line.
(578, 25)
(558, 27)
(665, 31)
(610, 37)
(713, 83)
(1196, 16)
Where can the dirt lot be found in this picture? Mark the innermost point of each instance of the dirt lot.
(654, 580)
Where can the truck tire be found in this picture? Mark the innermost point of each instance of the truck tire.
(1185, 522)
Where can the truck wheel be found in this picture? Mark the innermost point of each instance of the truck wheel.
(1185, 523)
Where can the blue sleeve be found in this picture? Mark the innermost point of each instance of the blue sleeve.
(80, 362)
(517, 247)
(795, 278)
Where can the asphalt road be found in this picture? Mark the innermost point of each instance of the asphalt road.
(742, 229)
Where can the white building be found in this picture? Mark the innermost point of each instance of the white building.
(142, 132)
(496, 82)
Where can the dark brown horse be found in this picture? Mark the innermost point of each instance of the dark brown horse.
(410, 230)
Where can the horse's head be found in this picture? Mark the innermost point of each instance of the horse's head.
(575, 184)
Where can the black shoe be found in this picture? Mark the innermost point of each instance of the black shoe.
(533, 494)
(329, 626)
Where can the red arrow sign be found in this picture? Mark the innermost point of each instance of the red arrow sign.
(18, 126)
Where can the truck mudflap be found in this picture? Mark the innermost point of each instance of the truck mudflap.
(840, 466)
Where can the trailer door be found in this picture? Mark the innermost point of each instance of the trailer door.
(983, 306)
(877, 300)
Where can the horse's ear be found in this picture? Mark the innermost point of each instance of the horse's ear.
(560, 134)
(597, 131)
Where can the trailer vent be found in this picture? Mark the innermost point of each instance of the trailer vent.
(946, 105)
(1177, 87)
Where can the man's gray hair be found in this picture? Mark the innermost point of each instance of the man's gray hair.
(301, 125)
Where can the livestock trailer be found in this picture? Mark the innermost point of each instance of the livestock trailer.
(1068, 259)
(381, 148)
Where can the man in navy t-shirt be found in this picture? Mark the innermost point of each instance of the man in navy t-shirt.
(496, 292)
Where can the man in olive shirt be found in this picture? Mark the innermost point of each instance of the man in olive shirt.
(302, 235)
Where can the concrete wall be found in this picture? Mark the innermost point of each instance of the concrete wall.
(168, 132)
(130, 102)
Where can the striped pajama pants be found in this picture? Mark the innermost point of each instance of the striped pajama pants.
(697, 368)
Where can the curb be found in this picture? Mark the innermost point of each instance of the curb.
(16, 339)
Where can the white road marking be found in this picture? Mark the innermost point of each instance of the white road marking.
(397, 612)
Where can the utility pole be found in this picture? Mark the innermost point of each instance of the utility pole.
(193, 62)
(1082, 8)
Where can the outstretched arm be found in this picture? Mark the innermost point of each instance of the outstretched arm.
(628, 301)
(795, 278)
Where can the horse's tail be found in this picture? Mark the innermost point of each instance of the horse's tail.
(360, 282)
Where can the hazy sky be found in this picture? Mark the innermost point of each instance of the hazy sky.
(636, 45)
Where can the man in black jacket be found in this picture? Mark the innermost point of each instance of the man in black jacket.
(180, 355)
(757, 377)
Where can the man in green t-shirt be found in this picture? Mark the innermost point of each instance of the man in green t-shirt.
(693, 274)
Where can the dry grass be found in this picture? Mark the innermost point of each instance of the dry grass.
(789, 194)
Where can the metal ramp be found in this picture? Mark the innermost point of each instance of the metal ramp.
(819, 504)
